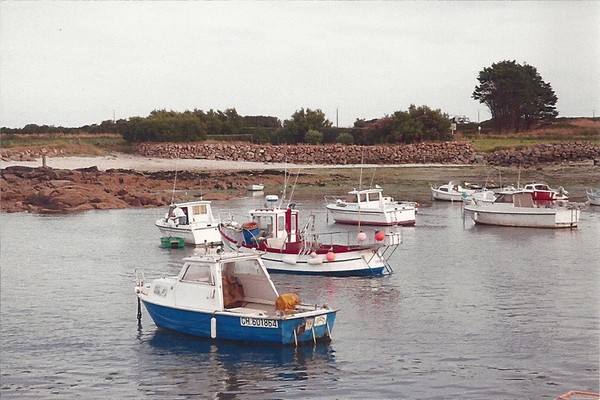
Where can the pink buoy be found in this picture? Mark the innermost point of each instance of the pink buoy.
(379, 235)
(361, 236)
(330, 256)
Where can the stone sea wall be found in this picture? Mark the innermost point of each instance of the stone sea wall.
(336, 154)
(421, 153)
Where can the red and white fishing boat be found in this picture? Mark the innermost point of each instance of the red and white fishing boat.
(543, 192)
(289, 248)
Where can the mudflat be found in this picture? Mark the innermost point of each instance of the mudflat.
(122, 180)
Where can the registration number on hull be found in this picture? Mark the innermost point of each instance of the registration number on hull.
(258, 322)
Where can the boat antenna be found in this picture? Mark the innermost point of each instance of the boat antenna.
(174, 183)
(285, 183)
(361, 169)
(372, 177)
(294, 187)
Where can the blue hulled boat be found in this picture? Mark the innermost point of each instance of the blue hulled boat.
(231, 296)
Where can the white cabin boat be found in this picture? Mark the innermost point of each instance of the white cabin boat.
(231, 296)
(519, 209)
(593, 196)
(370, 207)
(198, 227)
(256, 187)
(289, 248)
(481, 195)
(451, 191)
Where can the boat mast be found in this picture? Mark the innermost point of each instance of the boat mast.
(174, 183)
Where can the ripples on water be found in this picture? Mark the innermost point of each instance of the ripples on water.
(472, 312)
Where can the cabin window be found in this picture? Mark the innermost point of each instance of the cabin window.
(351, 198)
(363, 197)
(242, 267)
(199, 209)
(198, 273)
(373, 196)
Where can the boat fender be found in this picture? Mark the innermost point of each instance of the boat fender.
(213, 327)
(315, 260)
(291, 260)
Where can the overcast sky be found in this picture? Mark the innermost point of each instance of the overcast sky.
(76, 63)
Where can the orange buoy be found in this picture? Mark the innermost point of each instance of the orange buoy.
(379, 235)
(330, 256)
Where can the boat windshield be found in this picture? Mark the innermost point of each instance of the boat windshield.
(242, 267)
(198, 273)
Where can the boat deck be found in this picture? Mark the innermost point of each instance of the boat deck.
(259, 309)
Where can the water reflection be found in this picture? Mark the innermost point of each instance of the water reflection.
(188, 366)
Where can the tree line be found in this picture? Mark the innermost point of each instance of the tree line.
(516, 95)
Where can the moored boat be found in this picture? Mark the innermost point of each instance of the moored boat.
(593, 196)
(543, 192)
(289, 248)
(231, 296)
(481, 195)
(256, 187)
(370, 207)
(517, 208)
(193, 221)
(451, 191)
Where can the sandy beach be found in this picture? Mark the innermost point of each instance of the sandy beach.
(139, 163)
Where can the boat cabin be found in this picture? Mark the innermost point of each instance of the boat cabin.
(276, 225)
(236, 282)
(518, 199)
(367, 197)
(198, 212)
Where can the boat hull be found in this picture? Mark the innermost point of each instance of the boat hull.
(524, 216)
(288, 330)
(342, 261)
(389, 216)
(192, 234)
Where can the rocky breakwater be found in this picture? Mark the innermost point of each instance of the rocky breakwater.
(48, 190)
(555, 153)
(335, 154)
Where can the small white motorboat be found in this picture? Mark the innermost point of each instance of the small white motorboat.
(370, 207)
(451, 191)
(231, 296)
(481, 195)
(255, 187)
(593, 196)
(517, 208)
(193, 221)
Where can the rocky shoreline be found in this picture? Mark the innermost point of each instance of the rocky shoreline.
(50, 190)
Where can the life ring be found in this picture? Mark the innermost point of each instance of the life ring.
(251, 225)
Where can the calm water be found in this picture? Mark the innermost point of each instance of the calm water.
(471, 312)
